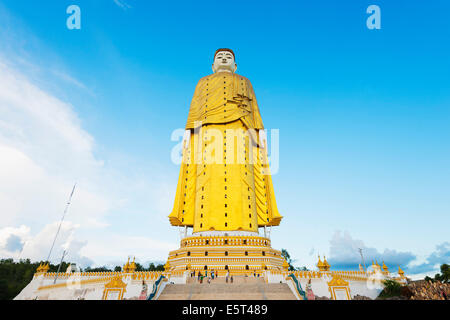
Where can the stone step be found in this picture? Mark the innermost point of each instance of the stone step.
(230, 291)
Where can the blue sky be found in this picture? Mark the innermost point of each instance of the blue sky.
(363, 118)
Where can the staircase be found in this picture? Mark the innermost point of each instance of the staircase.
(242, 288)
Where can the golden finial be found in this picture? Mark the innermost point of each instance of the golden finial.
(326, 264)
(43, 267)
(132, 266)
(320, 264)
(385, 268)
(401, 272)
(126, 267)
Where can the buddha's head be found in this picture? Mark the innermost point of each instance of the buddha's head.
(224, 61)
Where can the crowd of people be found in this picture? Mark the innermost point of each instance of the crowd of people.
(210, 275)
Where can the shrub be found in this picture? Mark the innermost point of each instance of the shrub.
(391, 289)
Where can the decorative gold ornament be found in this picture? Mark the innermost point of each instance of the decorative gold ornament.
(115, 289)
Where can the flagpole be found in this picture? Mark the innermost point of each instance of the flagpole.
(60, 223)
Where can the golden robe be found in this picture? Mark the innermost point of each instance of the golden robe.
(224, 182)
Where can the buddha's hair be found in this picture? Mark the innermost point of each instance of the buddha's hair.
(224, 49)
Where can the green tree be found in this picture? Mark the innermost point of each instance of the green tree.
(153, 267)
(302, 269)
(98, 269)
(139, 267)
(118, 269)
(4, 290)
(285, 254)
(444, 276)
(160, 267)
(392, 288)
(14, 276)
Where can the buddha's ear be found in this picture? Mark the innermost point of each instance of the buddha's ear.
(235, 67)
(213, 69)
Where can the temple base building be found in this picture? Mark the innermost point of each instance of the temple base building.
(274, 284)
(225, 208)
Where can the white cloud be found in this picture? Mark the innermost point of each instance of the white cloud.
(66, 77)
(37, 247)
(104, 249)
(43, 151)
(114, 249)
(344, 253)
(432, 264)
(122, 4)
(31, 115)
(8, 233)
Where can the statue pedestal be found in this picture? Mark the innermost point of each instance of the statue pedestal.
(240, 255)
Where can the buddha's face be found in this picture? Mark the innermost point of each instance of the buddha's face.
(224, 61)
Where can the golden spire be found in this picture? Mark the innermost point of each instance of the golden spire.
(385, 268)
(326, 264)
(401, 272)
(43, 267)
(320, 264)
(126, 267)
(132, 266)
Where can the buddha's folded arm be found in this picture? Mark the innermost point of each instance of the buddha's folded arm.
(218, 102)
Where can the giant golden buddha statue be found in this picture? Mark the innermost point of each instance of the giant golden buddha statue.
(224, 188)
(224, 182)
